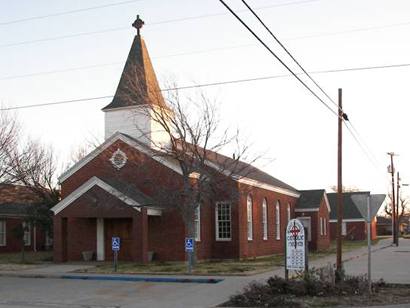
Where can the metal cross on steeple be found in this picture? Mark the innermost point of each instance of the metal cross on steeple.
(137, 24)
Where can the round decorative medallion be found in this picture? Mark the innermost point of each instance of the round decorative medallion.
(118, 159)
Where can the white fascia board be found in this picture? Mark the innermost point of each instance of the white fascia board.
(154, 212)
(349, 220)
(106, 144)
(307, 210)
(94, 181)
(327, 201)
(262, 185)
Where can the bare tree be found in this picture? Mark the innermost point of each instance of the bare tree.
(404, 207)
(9, 131)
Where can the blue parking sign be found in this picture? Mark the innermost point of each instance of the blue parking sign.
(189, 244)
(115, 243)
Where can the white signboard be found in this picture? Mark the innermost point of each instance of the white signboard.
(295, 245)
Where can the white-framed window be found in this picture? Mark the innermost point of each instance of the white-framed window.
(249, 217)
(324, 226)
(344, 228)
(265, 219)
(277, 219)
(321, 225)
(197, 223)
(49, 239)
(223, 221)
(288, 211)
(3, 233)
(27, 234)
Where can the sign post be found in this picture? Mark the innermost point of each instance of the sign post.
(189, 248)
(115, 244)
(295, 251)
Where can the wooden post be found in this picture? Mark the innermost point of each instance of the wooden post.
(339, 189)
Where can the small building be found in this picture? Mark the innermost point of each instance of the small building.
(15, 204)
(313, 210)
(383, 225)
(354, 225)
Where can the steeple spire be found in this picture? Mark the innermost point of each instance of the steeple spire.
(137, 24)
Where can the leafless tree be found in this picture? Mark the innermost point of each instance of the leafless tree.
(9, 131)
(404, 207)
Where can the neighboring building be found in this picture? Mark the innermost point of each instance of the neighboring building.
(383, 225)
(313, 210)
(354, 225)
(15, 201)
(113, 191)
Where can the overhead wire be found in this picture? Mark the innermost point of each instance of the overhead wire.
(278, 58)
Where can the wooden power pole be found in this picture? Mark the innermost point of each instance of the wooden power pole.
(393, 199)
(339, 188)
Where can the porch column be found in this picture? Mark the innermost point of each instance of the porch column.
(140, 236)
(59, 238)
(100, 240)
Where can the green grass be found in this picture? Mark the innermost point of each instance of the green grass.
(31, 257)
(346, 247)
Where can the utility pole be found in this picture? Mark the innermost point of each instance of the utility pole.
(397, 210)
(339, 189)
(393, 199)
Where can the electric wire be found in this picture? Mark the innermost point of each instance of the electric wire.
(280, 60)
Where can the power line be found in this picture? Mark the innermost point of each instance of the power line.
(218, 83)
(288, 53)
(15, 21)
(277, 58)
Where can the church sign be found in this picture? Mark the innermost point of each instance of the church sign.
(295, 246)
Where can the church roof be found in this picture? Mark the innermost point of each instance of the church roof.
(310, 199)
(138, 84)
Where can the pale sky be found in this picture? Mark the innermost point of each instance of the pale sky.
(278, 116)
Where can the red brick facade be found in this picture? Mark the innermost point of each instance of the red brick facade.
(355, 230)
(75, 225)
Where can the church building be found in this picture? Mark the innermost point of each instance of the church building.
(113, 191)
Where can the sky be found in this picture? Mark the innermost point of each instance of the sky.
(81, 55)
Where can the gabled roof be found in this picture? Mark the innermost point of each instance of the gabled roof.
(126, 193)
(352, 201)
(248, 174)
(310, 199)
(138, 84)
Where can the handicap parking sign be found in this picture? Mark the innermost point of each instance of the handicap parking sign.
(189, 244)
(115, 243)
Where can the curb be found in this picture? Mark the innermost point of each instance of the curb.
(117, 278)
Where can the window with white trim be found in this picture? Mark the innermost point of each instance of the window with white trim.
(197, 223)
(277, 220)
(27, 234)
(321, 225)
(2, 232)
(265, 219)
(249, 217)
(325, 226)
(288, 211)
(223, 221)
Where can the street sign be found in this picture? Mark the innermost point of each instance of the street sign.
(295, 246)
(115, 243)
(189, 244)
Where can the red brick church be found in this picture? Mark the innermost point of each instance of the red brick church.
(106, 193)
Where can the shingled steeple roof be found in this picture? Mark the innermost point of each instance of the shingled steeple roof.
(138, 84)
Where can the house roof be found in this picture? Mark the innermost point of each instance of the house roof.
(310, 199)
(353, 202)
(16, 199)
(138, 84)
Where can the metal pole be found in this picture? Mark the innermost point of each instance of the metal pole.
(369, 246)
(339, 189)
(286, 256)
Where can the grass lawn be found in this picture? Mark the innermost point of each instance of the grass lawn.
(31, 257)
(218, 267)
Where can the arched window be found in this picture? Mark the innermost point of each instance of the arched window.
(277, 220)
(249, 217)
(265, 219)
